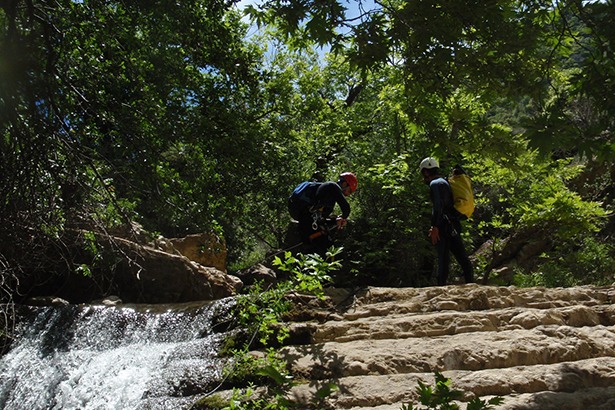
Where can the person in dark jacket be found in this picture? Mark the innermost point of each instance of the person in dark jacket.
(445, 230)
(312, 210)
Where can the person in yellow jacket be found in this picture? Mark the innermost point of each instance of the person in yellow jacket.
(445, 230)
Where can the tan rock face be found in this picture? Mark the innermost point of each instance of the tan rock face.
(146, 271)
(540, 349)
(204, 248)
(154, 276)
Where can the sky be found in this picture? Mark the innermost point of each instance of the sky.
(353, 10)
(352, 6)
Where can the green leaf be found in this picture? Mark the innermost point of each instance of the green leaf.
(274, 374)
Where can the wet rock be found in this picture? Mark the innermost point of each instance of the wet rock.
(46, 301)
(257, 273)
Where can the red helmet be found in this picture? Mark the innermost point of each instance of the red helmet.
(350, 179)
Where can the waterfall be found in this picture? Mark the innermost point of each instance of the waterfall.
(97, 357)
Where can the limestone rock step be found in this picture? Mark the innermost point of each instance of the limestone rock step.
(464, 351)
(578, 385)
(374, 302)
(399, 326)
(539, 349)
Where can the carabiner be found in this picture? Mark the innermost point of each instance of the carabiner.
(315, 218)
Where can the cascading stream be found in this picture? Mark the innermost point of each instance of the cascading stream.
(96, 357)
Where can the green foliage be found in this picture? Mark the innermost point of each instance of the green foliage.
(482, 82)
(583, 262)
(248, 400)
(213, 402)
(261, 312)
(243, 399)
(478, 404)
(311, 272)
(247, 368)
(275, 397)
(84, 270)
(443, 398)
(387, 237)
(262, 309)
(548, 202)
(128, 111)
(316, 20)
(577, 110)
(170, 116)
(534, 194)
(117, 111)
(307, 273)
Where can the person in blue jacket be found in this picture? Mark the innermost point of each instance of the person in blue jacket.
(445, 230)
(314, 205)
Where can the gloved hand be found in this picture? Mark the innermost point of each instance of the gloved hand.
(434, 234)
(341, 222)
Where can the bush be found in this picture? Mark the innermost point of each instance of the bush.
(442, 397)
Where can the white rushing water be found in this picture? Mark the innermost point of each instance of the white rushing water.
(109, 358)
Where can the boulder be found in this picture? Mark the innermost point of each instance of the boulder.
(256, 273)
(205, 248)
(138, 269)
(149, 275)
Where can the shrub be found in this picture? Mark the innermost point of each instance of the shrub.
(442, 397)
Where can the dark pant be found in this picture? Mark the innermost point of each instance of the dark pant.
(314, 240)
(300, 211)
(452, 244)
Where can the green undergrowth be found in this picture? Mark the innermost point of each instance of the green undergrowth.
(260, 379)
(442, 397)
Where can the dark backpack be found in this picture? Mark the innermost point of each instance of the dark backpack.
(305, 192)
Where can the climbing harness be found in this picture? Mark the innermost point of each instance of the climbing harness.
(320, 226)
